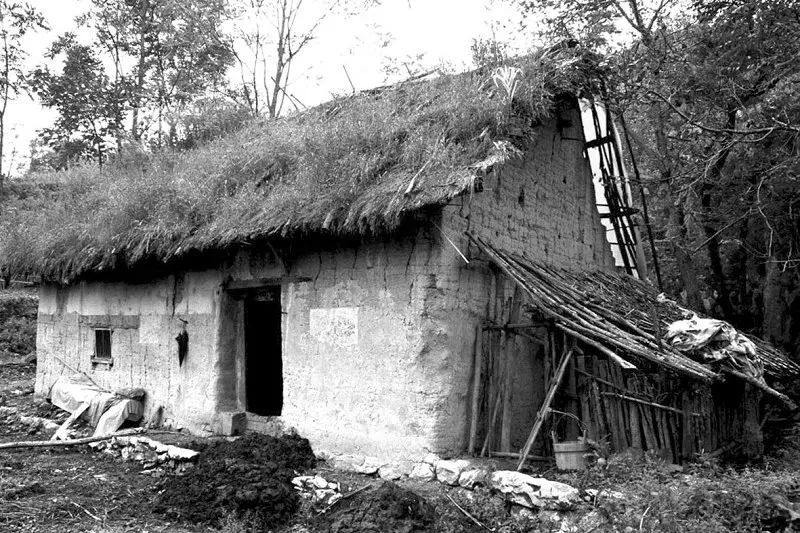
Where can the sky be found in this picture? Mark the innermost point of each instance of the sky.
(426, 33)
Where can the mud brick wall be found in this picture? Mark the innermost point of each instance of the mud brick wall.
(541, 206)
(377, 335)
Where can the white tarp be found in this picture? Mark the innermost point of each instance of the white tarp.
(106, 411)
(715, 340)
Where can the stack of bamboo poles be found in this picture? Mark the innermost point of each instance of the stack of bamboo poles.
(617, 315)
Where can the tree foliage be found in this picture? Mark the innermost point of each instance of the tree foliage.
(709, 92)
(16, 20)
(90, 106)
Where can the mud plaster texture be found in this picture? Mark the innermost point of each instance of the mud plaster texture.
(377, 336)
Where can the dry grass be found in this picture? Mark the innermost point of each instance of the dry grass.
(354, 166)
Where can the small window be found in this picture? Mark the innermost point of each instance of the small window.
(102, 346)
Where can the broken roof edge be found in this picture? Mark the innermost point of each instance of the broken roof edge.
(591, 318)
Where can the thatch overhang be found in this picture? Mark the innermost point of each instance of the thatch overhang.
(624, 318)
(357, 166)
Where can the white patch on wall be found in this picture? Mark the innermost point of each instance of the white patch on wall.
(337, 326)
(149, 328)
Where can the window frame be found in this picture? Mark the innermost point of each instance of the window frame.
(96, 356)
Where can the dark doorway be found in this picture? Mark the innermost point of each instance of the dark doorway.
(263, 365)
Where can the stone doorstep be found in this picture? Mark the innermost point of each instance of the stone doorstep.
(521, 489)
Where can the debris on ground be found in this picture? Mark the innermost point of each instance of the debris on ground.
(535, 492)
(382, 509)
(317, 489)
(152, 454)
(249, 477)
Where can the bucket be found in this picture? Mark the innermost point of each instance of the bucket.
(570, 454)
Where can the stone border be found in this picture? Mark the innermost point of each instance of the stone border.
(521, 489)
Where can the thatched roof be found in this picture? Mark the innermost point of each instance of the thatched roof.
(356, 165)
(625, 318)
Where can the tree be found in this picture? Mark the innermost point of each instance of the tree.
(171, 49)
(708, 92)
(267, 37)
(90, 106)
(16, 20)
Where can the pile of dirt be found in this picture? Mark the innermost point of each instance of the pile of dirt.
(248, 478)
(385, 509)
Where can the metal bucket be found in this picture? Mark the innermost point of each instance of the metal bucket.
(571, 454)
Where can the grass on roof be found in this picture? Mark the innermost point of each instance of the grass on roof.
(343, 167)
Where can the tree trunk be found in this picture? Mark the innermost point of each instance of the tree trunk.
(676, 233)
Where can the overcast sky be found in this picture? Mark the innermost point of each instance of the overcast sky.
(429, 32)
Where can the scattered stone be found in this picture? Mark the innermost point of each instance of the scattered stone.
(448, 472)
(532, 492)
(317, 489)
(369, 467)
(471, 478)
(389, 473)
(422, 472)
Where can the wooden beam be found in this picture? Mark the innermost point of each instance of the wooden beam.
(260, 283)
(544, 410)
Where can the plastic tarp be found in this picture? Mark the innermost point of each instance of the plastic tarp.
(715, 341)
(106, 412)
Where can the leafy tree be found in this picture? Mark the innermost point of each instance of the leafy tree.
(709, 94)
(171, 51)
(90, 106)
(16, 20)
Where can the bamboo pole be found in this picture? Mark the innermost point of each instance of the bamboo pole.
(544, 410)
(476, 388)
(70, 442)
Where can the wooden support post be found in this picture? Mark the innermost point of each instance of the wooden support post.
(583, 389)
(752, 437)
(687, 436)
(544, 410)
(509, 353)
(476, 388)
(634, 419)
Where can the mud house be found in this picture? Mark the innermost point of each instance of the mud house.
(388, 273)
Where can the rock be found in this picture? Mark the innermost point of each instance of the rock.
(319, 482)
(448, 472)
(422, 472)
(533, 492)
(389, 473)
(469, 479)
(369, 467)
(431, 459)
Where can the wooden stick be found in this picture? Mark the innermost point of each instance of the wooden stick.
(601, 380)
(545, 409)
(490, 429)
(71, 442)
(474, 520)
(645, 402)
(476, 389)
(516, 455)
(61, 432)
(763, 386)
(508, 356)
(611, 355)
